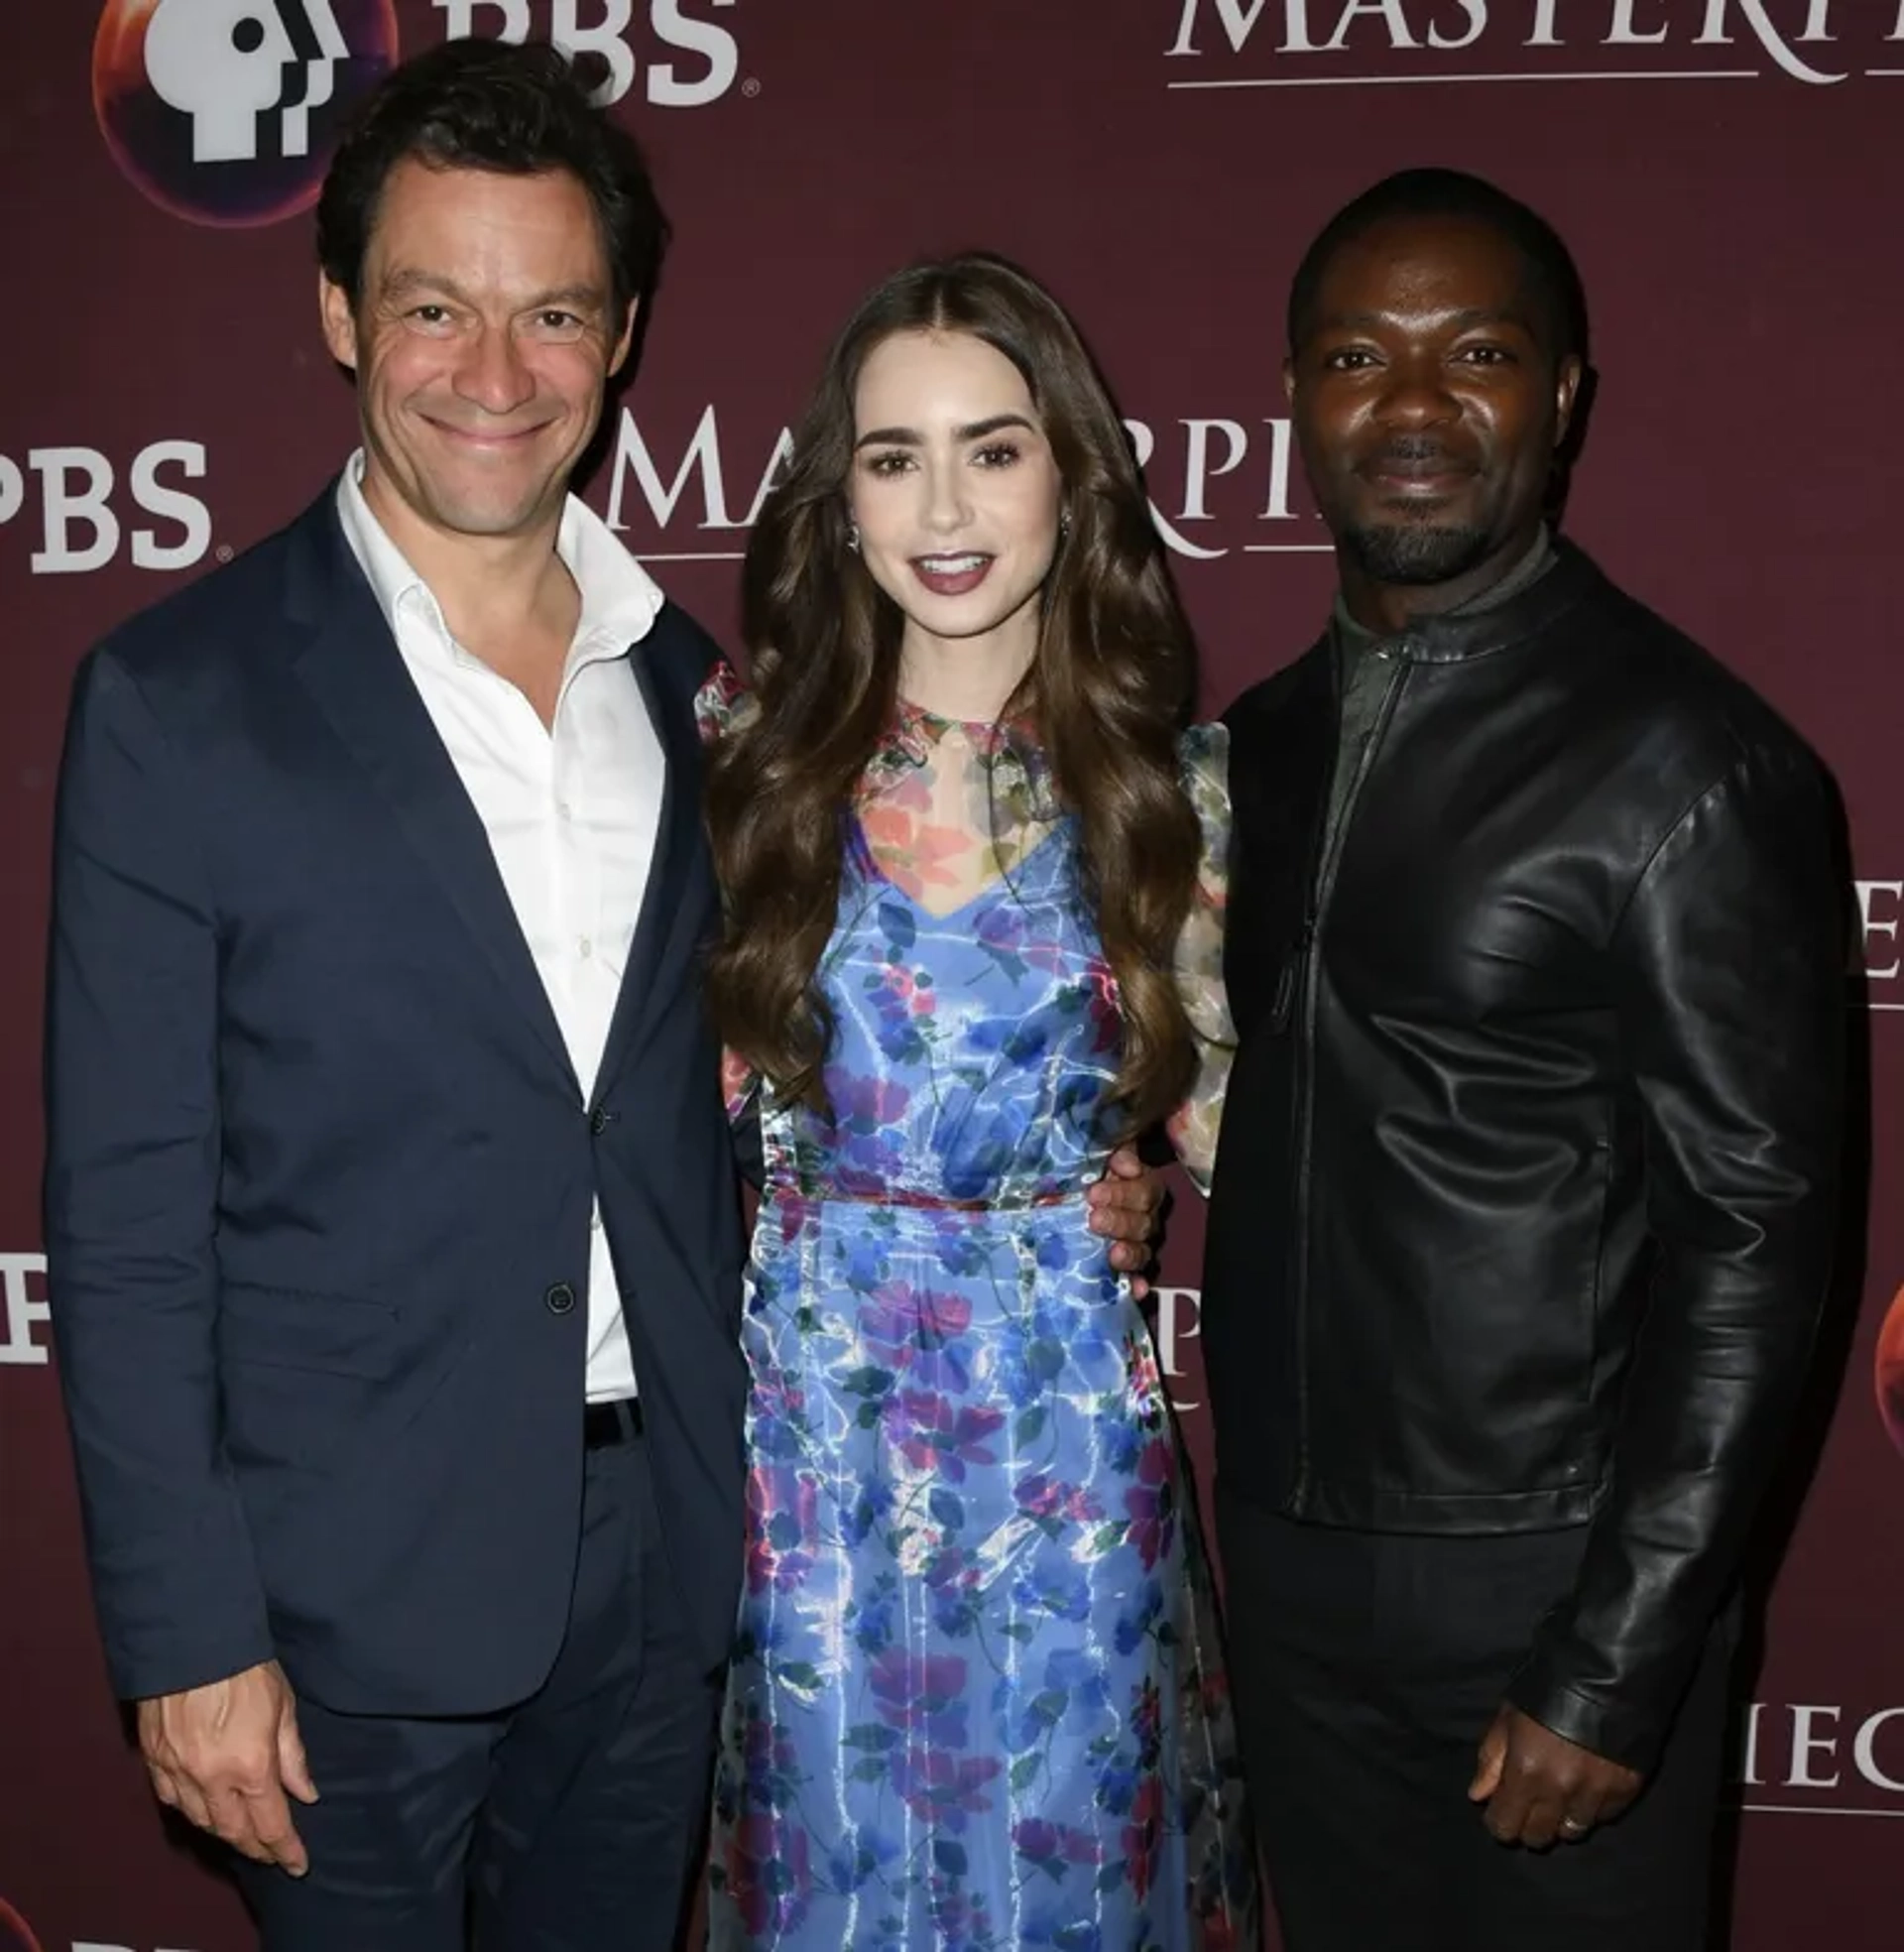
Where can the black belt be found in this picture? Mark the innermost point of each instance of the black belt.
(605, 1423)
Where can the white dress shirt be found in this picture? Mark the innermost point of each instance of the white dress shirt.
(571, 812)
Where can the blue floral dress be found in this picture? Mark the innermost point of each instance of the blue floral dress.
(977, 1699)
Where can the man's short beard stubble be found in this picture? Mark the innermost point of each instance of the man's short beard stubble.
(1414, 554)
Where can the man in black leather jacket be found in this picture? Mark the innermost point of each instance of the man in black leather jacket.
(1526, 1192)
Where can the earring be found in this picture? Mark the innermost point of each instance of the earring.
(853, 537)
(1064, 524)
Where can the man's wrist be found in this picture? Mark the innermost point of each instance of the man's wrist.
(160, 1673)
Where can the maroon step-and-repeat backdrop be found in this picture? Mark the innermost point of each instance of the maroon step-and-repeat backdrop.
(1731, 173)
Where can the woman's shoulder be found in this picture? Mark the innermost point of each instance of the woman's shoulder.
(1203, 765)
(723, 704)
(1203, 751)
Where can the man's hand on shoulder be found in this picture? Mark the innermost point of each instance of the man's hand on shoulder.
(224, 1756)
(1539, 1787)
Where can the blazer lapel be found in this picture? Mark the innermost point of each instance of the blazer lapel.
(665, 913)
(349, 662)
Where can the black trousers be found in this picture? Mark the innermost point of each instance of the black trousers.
(1366, 1669)
(565, 1824)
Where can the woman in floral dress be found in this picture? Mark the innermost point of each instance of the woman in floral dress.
(973, 857)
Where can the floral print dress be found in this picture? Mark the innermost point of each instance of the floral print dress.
(977, 1699)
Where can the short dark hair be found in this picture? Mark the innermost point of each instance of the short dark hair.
(1551, 270)
(483, 104)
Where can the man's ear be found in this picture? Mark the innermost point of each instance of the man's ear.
(339, 322)
(627, 339)
(1567, 394)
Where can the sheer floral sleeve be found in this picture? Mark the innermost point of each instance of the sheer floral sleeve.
(1199, 964)
(722, 705)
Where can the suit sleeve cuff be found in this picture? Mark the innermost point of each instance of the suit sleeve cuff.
(1616, 1730)
(141, 1674)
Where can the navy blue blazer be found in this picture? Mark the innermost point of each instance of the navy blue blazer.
(319, 1172)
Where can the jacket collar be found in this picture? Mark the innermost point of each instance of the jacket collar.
(343, 651)
(341, 647)
(1529, 613)
(1479, 633)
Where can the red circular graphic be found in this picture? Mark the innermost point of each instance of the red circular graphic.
(1890, 1369)
(225, 112)
(16, 1935)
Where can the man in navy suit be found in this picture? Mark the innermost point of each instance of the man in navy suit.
(392, 1213)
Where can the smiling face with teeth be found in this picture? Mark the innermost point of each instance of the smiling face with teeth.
(957, 498)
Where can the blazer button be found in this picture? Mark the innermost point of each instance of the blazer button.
(598, 1121)
(559, 1299)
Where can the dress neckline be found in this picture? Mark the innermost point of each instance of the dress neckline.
(1009, 751)
(917, 721)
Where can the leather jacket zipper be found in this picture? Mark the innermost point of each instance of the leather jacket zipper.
(1299, 976)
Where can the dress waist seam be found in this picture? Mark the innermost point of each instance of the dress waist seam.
(786, 1194)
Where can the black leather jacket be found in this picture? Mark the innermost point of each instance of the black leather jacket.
(1526, 1192)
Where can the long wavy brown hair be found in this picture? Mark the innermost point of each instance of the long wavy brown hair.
(1108, 689)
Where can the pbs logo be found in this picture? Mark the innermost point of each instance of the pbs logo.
(226, 111)
(77, 504)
